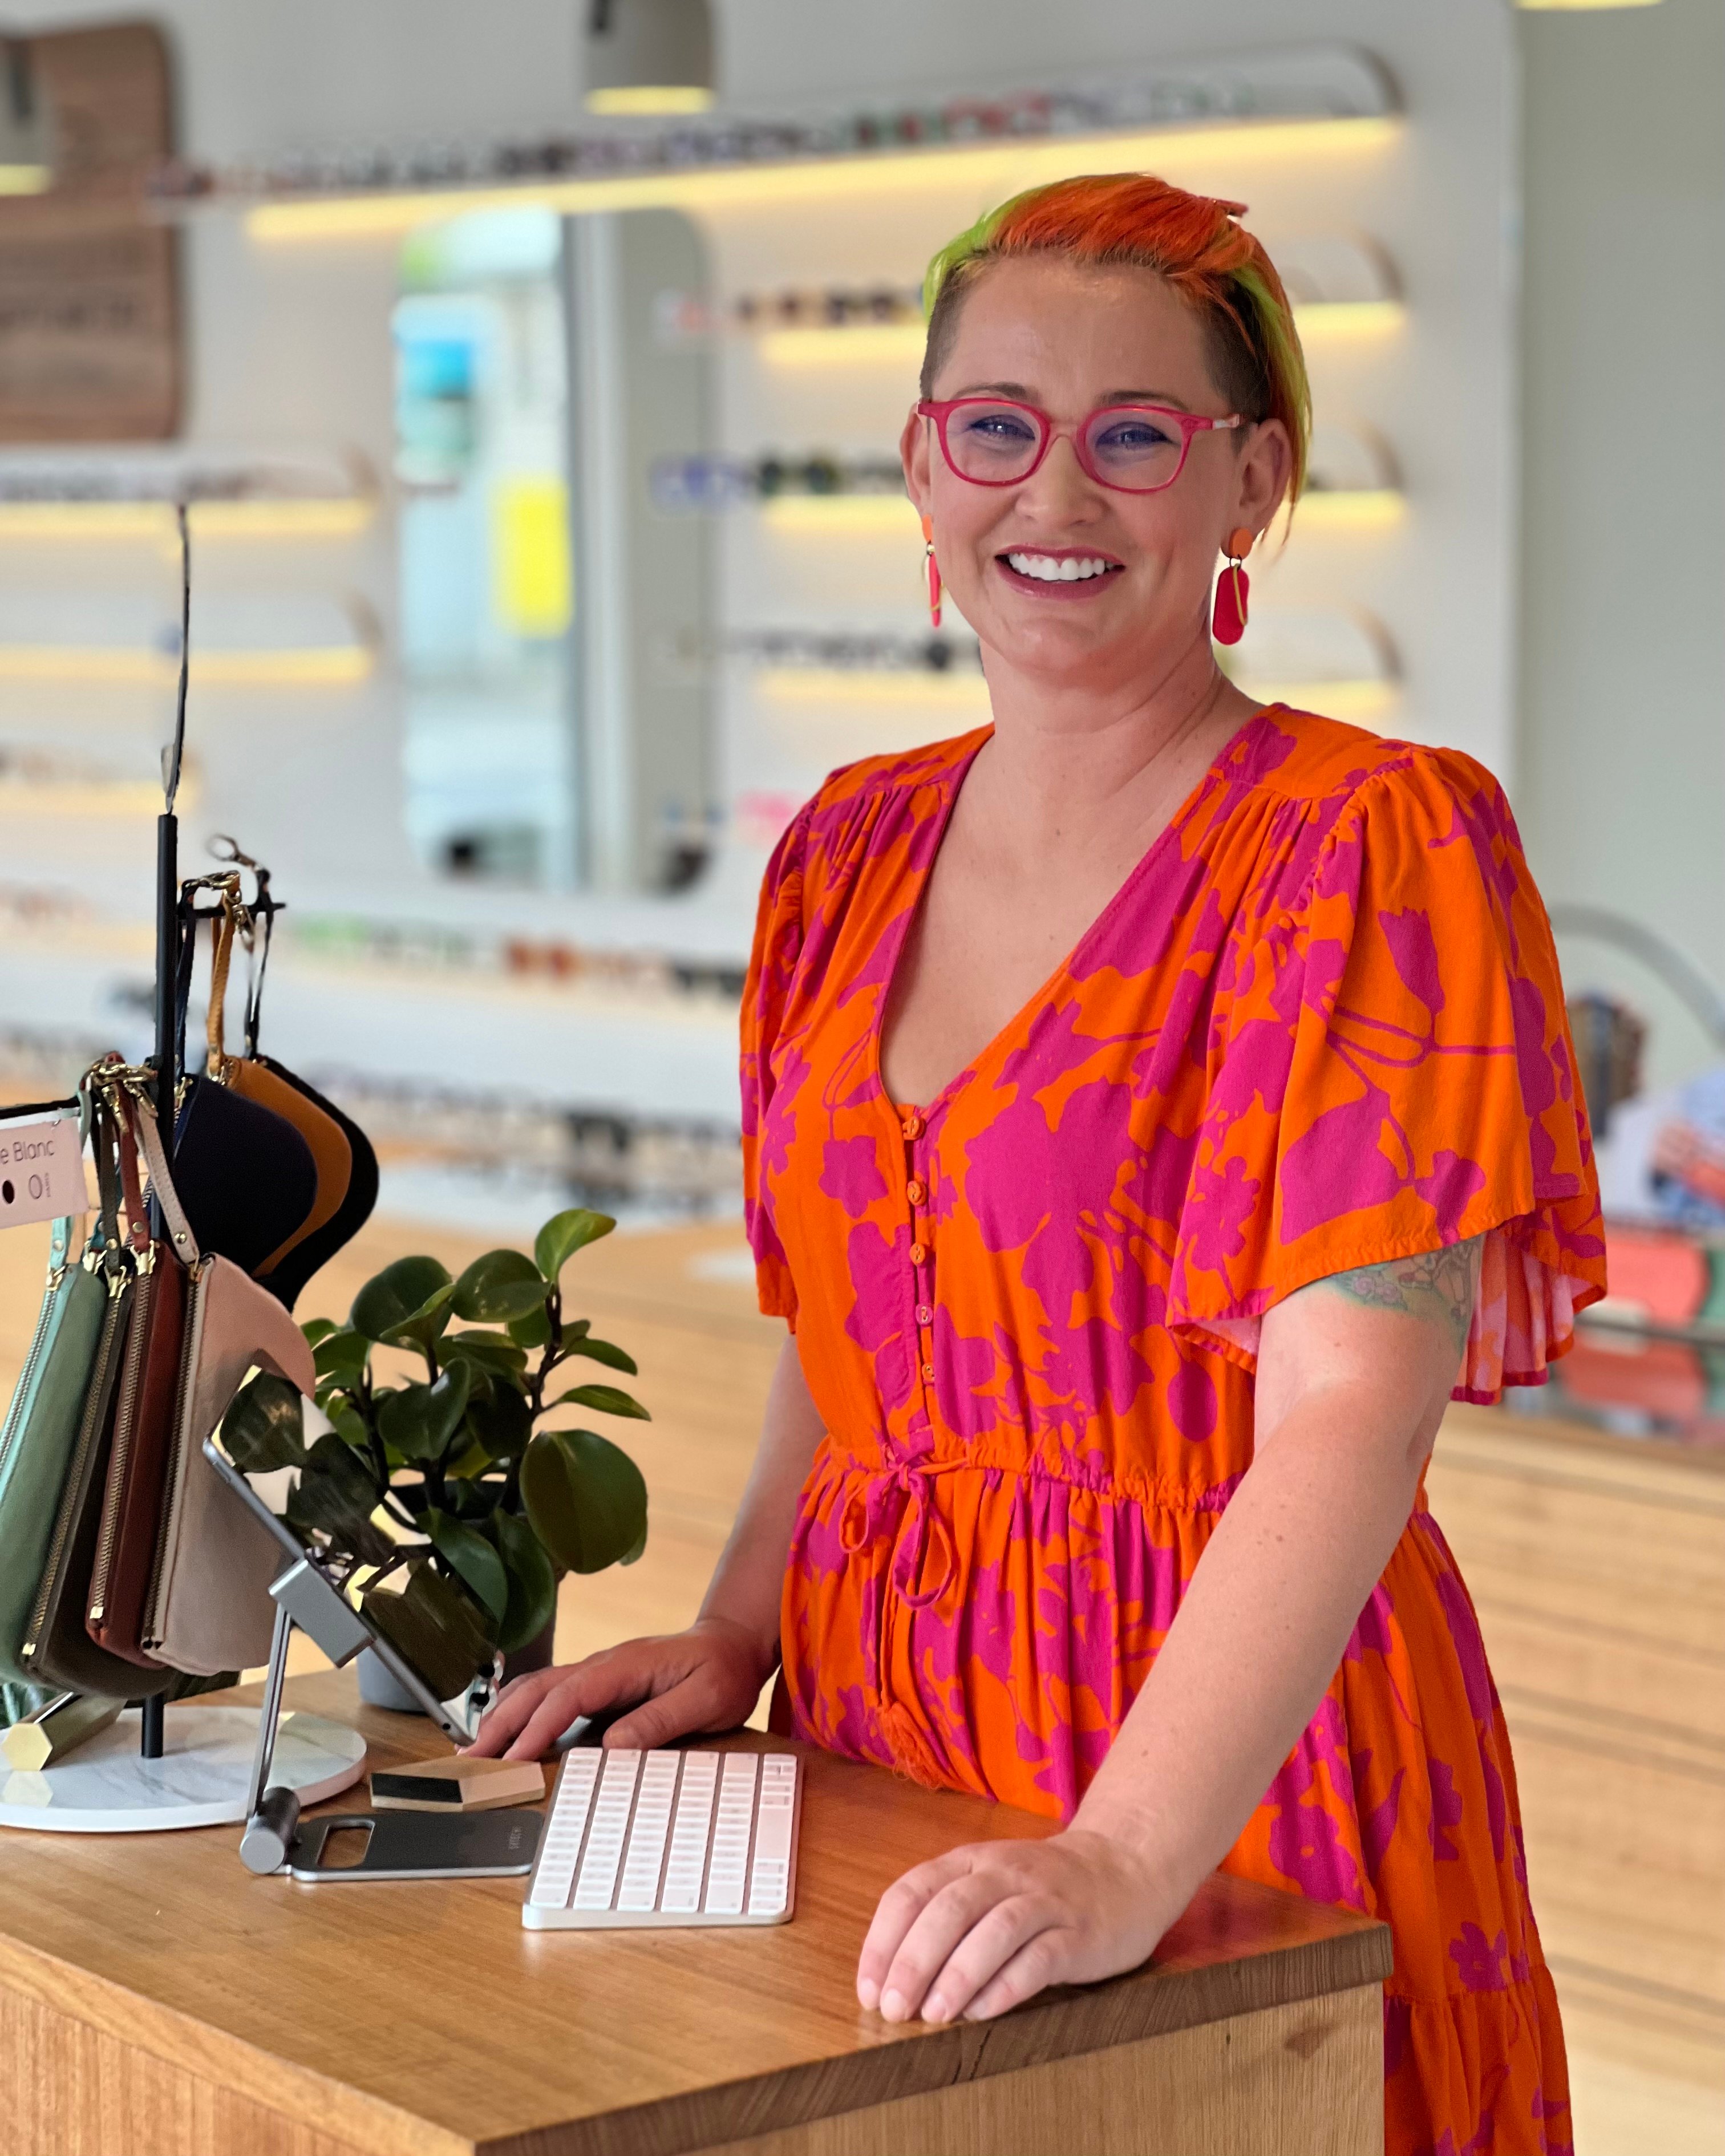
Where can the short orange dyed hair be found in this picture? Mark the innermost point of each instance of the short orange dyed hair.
(1193, 241)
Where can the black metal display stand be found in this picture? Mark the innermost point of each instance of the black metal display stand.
(167, 953)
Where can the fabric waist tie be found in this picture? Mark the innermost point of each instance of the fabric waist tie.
(863, 1521)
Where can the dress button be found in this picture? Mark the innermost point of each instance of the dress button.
(913, 1126)
(925, 1315)
(928, 1373)
(915, 1192)
(918, 1253)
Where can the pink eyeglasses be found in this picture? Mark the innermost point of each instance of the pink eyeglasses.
(1135, 448)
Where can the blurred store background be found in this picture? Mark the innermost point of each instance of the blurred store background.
(535, 375)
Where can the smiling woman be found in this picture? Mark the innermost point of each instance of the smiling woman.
(1141, 1174)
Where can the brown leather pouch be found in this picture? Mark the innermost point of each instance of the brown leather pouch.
(331, 1154)
(137, 1462)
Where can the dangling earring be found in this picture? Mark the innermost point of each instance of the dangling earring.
(1228, 623)
(934, 572)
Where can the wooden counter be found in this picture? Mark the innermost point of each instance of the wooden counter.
(156, 1997)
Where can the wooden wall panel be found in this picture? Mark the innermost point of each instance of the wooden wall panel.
(90, 308)
(80, 2091)
(1599, 1573)
(1303, 2077)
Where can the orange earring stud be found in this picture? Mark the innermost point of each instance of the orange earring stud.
(1228, 622)
(934, 572)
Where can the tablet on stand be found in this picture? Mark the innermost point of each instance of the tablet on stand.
(388, 1844)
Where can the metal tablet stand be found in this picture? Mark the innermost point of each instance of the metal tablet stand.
(302, 1597)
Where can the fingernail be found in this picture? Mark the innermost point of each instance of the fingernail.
(868, 1992)
(892, 2005)
(935, 2007)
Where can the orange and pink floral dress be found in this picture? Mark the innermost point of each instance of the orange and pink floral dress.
(1320, 1026)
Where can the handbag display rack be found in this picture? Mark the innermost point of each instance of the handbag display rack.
(131, 1571)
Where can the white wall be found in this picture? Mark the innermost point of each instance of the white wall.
(1622, 794)
(290, 344)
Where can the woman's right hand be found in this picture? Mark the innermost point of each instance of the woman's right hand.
(705, 1679)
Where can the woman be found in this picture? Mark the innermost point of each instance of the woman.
(1157, 1107)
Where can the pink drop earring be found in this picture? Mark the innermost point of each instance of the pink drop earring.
(934, 572)
(1228, 622)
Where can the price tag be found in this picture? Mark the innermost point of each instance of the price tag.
(41, 1171)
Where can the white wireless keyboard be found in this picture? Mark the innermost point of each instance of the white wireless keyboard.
(636, 1837)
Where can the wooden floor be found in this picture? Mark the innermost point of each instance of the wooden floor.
(1599, 1575)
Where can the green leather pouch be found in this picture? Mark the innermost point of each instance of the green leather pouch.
(40, 1432)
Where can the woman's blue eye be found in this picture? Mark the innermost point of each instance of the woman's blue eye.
(1133, 437)
(1000, 427)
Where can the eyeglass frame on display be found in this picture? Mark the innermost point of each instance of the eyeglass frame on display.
(941, 410)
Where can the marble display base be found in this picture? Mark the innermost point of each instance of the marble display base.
(202, 1779)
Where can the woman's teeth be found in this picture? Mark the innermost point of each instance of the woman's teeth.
(1070, 569)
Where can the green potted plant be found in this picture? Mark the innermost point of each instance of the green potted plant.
(449, 1504)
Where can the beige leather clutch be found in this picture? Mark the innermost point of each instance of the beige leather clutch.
(209, 1607)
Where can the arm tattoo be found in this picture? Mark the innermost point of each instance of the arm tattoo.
(1437, 1284)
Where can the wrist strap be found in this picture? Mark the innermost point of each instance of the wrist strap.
(161, 1182)
(214, 1025)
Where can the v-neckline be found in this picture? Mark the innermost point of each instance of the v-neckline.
(953, 783)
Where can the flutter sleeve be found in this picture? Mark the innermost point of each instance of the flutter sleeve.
(1392, 1071)
(773, 962)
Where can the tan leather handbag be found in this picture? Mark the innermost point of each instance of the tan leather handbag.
(208, 1607)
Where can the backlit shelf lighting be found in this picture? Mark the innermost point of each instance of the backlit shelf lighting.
(651, 101)
(1318, 320)
(875, 689)
(116, 798)
(1356, 701)
(800, 513)
(863, 344)
(333, 666)
(858, 344)
(337, 517)
(986, 169)
(1358, 508)
(1363, 509)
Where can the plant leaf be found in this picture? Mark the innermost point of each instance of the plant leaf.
(336, 1496)
(532, 1330)
(605, 1400)
(494, 1353)
(341, 1354)
(432, 1624)
(265, 1427)
(419, 1421)
(317, 1329)
(502, 1285)
(469, 1554)
(532, 1581)
(584, 1498)
(602, 1350)
(565, 1234)
(400, 1293)
(500, 1420)
(637, 1551)
(348, 1423)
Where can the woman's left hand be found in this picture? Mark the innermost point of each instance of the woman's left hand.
(985, 1927)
